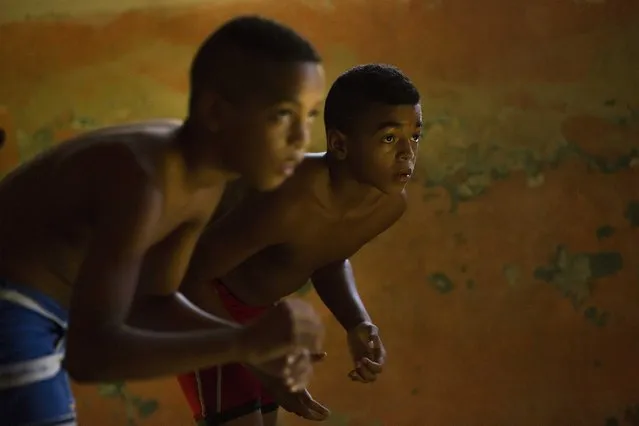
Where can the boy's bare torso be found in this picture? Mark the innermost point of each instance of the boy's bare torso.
(50, 205)
(318, 230)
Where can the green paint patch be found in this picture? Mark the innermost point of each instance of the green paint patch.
(604, 164)
(610, 102)
(40, 140)
(44, 137)
(146, 407)
(471, 169)
(535, 181)
(500, 173)
(632, 213)
(511, 272)
(573, 273)
(339, 419)
(305, 289)
(605, 264)
(440, 282)
(136, 407)
(474, 186)
(596, 317)
(110, 390)
(470, 284)
(84, 123)
(605, 231)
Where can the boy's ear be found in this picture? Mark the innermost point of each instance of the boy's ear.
(336, 143)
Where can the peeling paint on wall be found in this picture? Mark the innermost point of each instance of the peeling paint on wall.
(511, 272)
(440, 282)
(605, 231)
(632, 213)
(137, 408)
(573, 273)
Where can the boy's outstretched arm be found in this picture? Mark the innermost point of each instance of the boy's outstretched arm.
(101, 345)
(335, 285)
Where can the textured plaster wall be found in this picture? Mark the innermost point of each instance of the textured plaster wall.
(509, 294)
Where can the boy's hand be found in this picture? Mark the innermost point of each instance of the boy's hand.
(300, 402)
(297, 370)
(367, 351)
(287, 335)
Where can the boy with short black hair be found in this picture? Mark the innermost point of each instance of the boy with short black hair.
(269, 245)
(96, 233)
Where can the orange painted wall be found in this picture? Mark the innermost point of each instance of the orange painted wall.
(509, 294)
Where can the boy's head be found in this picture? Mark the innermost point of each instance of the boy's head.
(256, 86)
(373, 121)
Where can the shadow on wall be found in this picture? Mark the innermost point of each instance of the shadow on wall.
(508, 293)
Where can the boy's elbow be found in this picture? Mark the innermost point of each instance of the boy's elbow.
(331, 269)
(85, 367)
(90, 360)
(81, 372)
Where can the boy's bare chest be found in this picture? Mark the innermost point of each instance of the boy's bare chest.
(320, 242)
(186, 208)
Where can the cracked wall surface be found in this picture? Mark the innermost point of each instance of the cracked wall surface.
(508, 295)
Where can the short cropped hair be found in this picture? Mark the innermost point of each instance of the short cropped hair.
(254, 36)
(362, 85)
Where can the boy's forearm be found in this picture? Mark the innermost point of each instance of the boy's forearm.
(163, 337)
(173, 313)
(335, 285)
(129, 353)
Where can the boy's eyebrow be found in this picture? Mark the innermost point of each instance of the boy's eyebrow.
(387, 124)
(280, 100)
(293, 102)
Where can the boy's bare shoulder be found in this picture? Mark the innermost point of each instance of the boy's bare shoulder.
(311, 175)
(286, 206)
(392, 208)
(120, 152)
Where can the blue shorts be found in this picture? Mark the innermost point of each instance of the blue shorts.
(34, 389)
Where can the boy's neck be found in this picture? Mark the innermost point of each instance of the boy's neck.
(345, 189)
(202, 155)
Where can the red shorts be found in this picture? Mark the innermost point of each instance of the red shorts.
(223, 393)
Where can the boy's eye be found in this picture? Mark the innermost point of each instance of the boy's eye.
(416, 137)
(284, 113)
(389, 139)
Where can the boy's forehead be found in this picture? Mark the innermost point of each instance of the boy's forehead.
(291, 82)
(381, 116)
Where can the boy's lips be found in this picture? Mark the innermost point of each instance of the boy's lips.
(289, 166)
(404, 175)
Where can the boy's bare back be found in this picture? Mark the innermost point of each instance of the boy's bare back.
(55, 203)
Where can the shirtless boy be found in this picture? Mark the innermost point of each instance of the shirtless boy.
(269, 245)
(96, 234)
